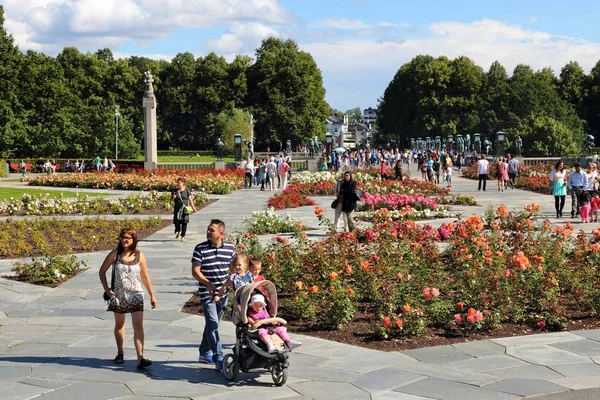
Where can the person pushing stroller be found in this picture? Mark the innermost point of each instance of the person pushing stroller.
(256, 312)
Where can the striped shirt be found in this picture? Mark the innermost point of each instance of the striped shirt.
(214, 264)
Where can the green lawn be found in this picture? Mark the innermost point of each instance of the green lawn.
(188, 159)
(7, 193)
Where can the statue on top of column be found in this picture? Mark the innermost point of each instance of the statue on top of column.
(148, 80)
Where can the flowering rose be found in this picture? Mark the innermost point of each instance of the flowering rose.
(458, 319)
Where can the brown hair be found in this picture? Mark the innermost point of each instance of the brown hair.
(134, 239)
(239, 257)
(218, 222)
(181, 179)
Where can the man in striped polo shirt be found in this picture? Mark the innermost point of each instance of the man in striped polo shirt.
(210, 267)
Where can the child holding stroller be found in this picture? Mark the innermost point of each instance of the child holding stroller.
(240, 276)
(256, 312)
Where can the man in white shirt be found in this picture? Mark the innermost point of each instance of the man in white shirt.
(271, 172)
(483, 167)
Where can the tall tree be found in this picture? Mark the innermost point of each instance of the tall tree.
(286, 94)
(572, 85)
(12, 130)
(354, 113)
(494, 108)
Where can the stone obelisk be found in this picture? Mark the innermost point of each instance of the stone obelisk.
(149, 103)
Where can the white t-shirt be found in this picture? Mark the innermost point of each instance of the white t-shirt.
(449, 171)
(483, 166)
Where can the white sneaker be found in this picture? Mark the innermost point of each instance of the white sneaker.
(271, 348)
(292, 344)
(183, 239)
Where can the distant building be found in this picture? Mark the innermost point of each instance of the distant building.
(370, 115)
(351, 135)
(337, 127)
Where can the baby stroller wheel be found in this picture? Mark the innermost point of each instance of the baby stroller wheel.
(279, 374)
(231, 367)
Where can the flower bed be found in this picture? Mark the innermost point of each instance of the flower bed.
(289, 198)
(268, 221)
(535, 178)
(209, 181)
(505, 269)
(133, 204)
(38, 237)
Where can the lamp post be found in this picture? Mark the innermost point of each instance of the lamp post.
(237, 140)
(500, 138)
(117, 115)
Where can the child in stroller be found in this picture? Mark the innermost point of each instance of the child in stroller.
(251, 351)
(257, 312)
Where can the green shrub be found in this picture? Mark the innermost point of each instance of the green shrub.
(48, 269)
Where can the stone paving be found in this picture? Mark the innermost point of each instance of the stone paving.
(58, 343)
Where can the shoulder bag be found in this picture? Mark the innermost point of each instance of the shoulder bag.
(186, 209)
(105, 296)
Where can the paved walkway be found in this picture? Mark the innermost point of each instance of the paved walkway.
(58, 343)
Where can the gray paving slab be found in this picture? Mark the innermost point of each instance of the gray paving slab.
(481, 348)
(439, 388)
(546, 355)
(148, 386)
(46, 383)
(592, 334)
(437, 351)
(448, 373)
(265, 393)
(585, 347)
(385, 379)
(376, 360)
(526, 372)
(14, 373)
(579, 382)
(483, 364)
(88, 391)
(389, 395)
(588, 394)
(536, 340)
(569, 370)
(20, 391)
(525, 387)
(329, 390)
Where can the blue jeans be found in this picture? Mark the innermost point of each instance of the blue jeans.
(211, 343)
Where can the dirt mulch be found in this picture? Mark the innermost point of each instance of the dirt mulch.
(359, 332)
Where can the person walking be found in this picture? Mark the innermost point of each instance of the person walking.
(513, 170)
(248, 169)
(483, 167)
(558, 178)
(210, 267)
(271, 172)
(501, 171)
(345, 192)
(284, 168)
(126, 295)
(576, 183)
(181, 212)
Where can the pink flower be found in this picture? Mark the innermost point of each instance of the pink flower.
(458, 319)
(427, 293)
(471, 319)
(435, 292)
(506, 273)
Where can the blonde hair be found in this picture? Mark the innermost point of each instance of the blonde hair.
(239, 257)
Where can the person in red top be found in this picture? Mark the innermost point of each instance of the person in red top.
(255, 268)
(383, 169)
(595, 203)
(284, 167)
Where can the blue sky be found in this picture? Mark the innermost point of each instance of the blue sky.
(357, 44)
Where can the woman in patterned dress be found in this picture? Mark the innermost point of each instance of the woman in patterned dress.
(127, 293)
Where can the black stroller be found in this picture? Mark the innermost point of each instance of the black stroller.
(250, 352)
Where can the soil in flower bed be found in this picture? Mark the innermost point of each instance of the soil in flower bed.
(359, 332)
(46, 284)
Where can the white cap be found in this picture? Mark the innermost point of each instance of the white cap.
(257, 298)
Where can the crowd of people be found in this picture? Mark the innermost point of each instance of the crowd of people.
(583, 186)
(266, 171)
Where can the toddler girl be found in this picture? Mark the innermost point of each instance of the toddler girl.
(256, 312)
(595, 204)
(240, 276)
(585, 207)
(255, 269)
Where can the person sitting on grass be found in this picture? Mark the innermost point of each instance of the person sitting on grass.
(256, 312)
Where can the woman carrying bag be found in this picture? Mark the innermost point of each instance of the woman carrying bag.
(126, 294)
(184, 206)
(346, 198)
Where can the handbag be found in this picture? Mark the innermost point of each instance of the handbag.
(105, 296)
(185, 210)
(334, 204)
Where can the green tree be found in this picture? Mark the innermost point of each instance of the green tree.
(13, 136)
(231, 122)
(354, 113)
(591, 105)
(572, 86)
(286, 94)
(494, 108)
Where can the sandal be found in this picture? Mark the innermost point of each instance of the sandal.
(144, 363)
(119, 359)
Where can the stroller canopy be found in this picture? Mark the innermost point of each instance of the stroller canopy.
(242, 297)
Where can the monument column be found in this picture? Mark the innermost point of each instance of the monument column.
(149, 104)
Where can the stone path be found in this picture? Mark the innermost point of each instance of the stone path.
(58, 343)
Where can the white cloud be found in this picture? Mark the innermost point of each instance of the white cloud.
(241, 38)
(51, 24)
(339, 23)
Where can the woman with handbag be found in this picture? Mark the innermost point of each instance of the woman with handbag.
(126, 294)
(345, 203)
(184, 206)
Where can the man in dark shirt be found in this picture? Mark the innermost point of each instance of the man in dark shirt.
(210, 267)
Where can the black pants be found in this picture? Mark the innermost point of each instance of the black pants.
(559, 203)
(248, 180)
(575, 200)
(482, 178)
(181, 227)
